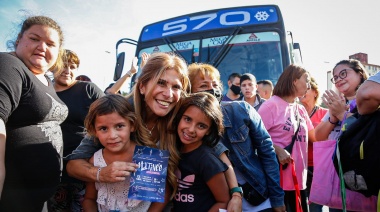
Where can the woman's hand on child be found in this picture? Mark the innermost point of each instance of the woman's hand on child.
(117, 171)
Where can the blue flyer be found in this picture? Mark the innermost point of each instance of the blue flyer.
(148, 182)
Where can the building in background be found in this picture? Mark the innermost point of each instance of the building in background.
(363, 58)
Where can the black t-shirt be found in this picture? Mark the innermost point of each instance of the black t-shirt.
(194, 170)
(78, 99)
(32, 113)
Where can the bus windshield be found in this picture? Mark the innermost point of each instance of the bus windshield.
(256, 53)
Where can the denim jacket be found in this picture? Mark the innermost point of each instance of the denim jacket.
(251, 150)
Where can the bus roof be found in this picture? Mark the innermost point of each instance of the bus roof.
(210, 20)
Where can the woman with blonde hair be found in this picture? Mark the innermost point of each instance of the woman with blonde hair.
(161, 84)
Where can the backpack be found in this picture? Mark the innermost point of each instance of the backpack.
(359, 148)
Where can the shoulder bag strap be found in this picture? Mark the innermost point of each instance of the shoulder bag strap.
(289, 148)
(341, 179)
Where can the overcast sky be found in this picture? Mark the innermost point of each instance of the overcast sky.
(327, 30)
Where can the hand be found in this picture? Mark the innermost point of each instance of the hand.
(133, 66)
(279, 209)
(283, 156)
(335, 103)
(144, 58)
(235, 204)
(117, 171)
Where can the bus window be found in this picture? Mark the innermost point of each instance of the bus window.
(255, 53)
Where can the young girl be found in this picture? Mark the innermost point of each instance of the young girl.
(111, 121)
(202, 185)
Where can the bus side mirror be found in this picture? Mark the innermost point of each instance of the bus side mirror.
(119, 66)
(297, 55)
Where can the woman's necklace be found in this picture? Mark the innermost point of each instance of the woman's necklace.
(313, 111)
(150, 131)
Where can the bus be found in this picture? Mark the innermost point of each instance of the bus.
(248, 39)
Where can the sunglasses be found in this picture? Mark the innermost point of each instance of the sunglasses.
(342, 74)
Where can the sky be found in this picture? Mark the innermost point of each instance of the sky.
(327, 30)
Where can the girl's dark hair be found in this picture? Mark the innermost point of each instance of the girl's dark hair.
(116, 103)
(209, 105)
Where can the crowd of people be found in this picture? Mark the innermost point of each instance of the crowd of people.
(66, 145)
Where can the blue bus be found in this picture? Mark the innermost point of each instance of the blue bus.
(249, 39)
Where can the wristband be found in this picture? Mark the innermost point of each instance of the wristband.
(236, 189)
(334, 123)
(129, 74)
(97, 174)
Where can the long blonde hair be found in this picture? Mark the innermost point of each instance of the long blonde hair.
(154, 68)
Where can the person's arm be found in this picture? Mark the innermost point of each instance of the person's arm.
(89, 202)
(311, 136)
(235, 204)
(120, 82)
(115, 172)
(283, 156)
(267, 153)
(368, 97)
(324, 128)
(2, 154)
(79, 167)
(219, 188)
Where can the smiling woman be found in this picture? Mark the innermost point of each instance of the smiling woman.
(31, 143)
(348, 75)
(161, 84)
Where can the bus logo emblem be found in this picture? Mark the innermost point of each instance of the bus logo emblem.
(156, 49)
(261, 16)
(253, 37)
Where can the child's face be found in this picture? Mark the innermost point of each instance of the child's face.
(192, 127)
(113, 131)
